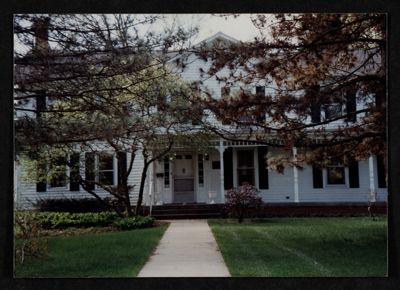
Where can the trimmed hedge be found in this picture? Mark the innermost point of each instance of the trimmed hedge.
(63, 220)
(136, 222)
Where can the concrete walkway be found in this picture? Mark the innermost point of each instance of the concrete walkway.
(187, 249)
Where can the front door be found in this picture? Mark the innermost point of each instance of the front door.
(184, 178)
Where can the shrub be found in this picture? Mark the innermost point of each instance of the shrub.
(70, 205)
(61, 220)
(136, 222)
(242, 200)
(28, 230)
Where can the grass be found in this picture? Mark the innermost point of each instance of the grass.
(112, 254)
(304, 247)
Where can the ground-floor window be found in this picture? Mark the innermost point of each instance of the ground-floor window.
(245, 167)
(106, 169)
(335, 173)
(58, 173)
(166, 172)
(200, 166)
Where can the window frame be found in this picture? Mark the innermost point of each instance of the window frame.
(333, 165)
(99, 170)
(251, 168)
(65, 176)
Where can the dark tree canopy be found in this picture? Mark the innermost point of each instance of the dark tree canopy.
(87, 82)
(316, 70)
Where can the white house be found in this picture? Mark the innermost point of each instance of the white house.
(189, 177)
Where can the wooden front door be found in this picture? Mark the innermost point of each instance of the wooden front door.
(184, 178)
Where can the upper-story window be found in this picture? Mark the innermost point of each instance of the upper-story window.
(225, 92)
(313, 96)
(343, 104)
(333, 110)
(40, 104)
(161, 102)
(196, 112)
(260, 92)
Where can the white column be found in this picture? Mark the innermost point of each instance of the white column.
(151, 186)
(372, 190)
(295, 177)
(221, 150)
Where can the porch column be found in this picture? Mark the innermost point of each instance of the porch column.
(372, 190)
(151, 186)
(295, 177)
(221, 150)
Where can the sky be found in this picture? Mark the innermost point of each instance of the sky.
(240, 28)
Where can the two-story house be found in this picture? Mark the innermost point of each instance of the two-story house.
(187, 176)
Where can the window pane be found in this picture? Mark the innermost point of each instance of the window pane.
(106, 162)
(58, 173)
(245, 167)
(333, 111)
(336, 175)
(225, 91)
(245, 158)
(245, 176)
(106, 177)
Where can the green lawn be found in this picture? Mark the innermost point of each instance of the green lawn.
(304, 247)
(112, 254)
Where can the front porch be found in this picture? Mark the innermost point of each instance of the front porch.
(187, 176)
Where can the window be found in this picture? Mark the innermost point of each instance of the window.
(333, 110)
(225, 92)
(335, 173)
(313, 95)
(260, 92)
(90, 169)
(245, 167)
(41, 105)
(166, 172)
(342, 102)
(200, 165)
(351, 106)
(58, 173)
(106, 169)
(161, 103)
(196, 111)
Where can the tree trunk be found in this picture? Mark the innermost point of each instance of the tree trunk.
(141, 189)
(115, 208)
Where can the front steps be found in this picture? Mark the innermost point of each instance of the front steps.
(302, 209)
(186, 211)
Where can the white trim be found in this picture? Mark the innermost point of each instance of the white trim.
(219, 34)
(372, 189)
(295, 178)
(256, 170)
(115, 168)
(221, 150)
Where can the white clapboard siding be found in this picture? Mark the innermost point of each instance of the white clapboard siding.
(26, 193)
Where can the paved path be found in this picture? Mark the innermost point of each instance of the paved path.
(187, 249)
